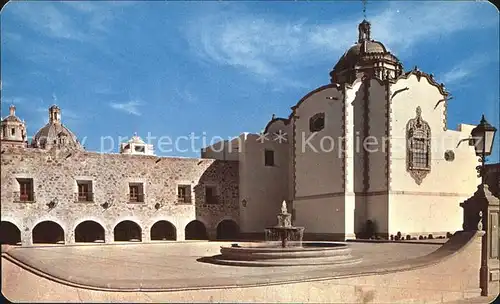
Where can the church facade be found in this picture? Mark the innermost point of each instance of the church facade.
(367, 154)
(371, 150)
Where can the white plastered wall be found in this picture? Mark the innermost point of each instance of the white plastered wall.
(432, 206)
(262, 187)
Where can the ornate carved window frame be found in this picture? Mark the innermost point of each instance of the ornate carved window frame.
(418, 129)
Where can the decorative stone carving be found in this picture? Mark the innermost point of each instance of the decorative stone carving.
(418, 146)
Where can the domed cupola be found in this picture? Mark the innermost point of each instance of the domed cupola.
(54, 134)
(13, 130)
(366, 57)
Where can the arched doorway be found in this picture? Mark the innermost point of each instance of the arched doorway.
(88, 232)
(195, 230)
(48, 232)
(228, 230)
(128, 231)
(9, 233)
(163, 231)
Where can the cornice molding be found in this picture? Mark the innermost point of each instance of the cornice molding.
(430, 78)
(286, 121)
(330, 85)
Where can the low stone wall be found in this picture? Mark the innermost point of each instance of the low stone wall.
(450, 273)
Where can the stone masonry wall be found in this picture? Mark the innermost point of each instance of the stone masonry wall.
(55, 174)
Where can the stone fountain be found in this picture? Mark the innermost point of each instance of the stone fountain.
(284, 233)
(284, 247)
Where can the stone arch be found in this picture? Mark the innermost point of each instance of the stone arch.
(196, 230)
(127, 231)
(228, 229)
(89, 231)
(49, 232)
(163, 230)
(9, 233)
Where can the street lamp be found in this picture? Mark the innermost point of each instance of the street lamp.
(482, 139)
(482, 211)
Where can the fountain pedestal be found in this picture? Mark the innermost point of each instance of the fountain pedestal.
(284, 247)
(284, 234)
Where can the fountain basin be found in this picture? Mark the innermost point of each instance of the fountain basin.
(265, 254)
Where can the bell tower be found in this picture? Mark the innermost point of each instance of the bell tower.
(54, 114)
(13, 130)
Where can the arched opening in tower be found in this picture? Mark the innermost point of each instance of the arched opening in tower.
(9, 233)
(195, 230)
(163, 231)
(89, 232)
(127, 231)
(48, 232)
(228, 230)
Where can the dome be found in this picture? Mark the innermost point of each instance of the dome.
(367, 56)
(55, 133)
(12, 116)
(136, 139)
(351, 57)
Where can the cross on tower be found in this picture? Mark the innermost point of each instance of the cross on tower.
(364, 8)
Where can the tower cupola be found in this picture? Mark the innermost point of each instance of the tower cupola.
(366, 57)
(364, 31)
(13, 130)
(54, 114)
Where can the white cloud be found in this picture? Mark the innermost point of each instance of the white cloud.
(268, 46)
(131, 107)
(466, 69)
(404, 24)
(185, 96)
(45, 17)
(72, 20)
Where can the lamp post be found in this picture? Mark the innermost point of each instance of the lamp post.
(482, 210)
(482, 139)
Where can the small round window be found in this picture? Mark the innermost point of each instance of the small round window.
(449, 155)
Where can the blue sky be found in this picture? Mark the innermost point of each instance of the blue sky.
(223, 68)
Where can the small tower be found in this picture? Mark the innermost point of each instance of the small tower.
(136, 146)
(13, 129)
(364, 31)
(54, 114)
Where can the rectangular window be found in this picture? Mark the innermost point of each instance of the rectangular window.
(13, 131)
(25, 189)
(419, 153)
(211, 195)
(184, 194)
(85, 191)
(136, 193)
(269, 158)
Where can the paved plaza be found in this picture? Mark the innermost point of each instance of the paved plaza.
(176, 265)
